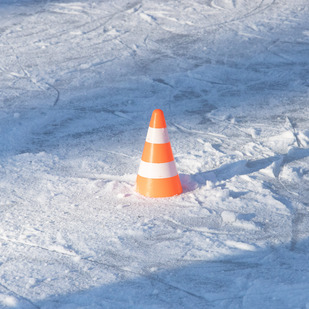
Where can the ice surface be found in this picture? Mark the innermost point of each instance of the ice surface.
(78, 83)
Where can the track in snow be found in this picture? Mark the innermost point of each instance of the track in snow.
(78, 83)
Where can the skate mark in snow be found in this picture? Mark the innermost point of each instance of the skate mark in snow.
(147, 17)
(208, 226)
(52, 248)
(67, 8)
(240, 245)
(163, 82)
(180, 289)
(246, 167)
(57, 93)
(244, 222)
(182, 129)
(300, 217)
(293, 129)
(13, 299)
(40, 85)
(261, 7)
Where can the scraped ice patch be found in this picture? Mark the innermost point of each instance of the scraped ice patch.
(291, 174)
(8, 301)
(123, 115)
(246, 225)
(31, 282)
(282, 142)
(210, 192)
(304, 138)
(254, 132)
(76, 259)
(240, 245)
(228, 216)
(274, 169)
(251, 149)
(241, 221)
(61, 249)
(210, 148)
(122, 186)
(190, 161)
(147, 17)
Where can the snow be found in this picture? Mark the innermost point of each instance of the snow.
(78, 83)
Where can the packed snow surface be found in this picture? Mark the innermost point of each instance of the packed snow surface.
(78, 83)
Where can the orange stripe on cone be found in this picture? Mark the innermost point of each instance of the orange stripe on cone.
(157, 175)
(157, 153)
(159, 187)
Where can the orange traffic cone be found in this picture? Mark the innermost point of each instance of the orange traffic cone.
(157, 174)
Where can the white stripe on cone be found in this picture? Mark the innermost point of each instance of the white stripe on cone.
(157, 136)
(157, 170)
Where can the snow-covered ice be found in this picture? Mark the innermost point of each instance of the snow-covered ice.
(78, 83)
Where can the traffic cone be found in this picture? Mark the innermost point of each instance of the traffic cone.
(157, 174)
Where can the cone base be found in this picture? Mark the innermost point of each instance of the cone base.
(164, 187)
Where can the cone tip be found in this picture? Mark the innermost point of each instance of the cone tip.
(157, 119)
